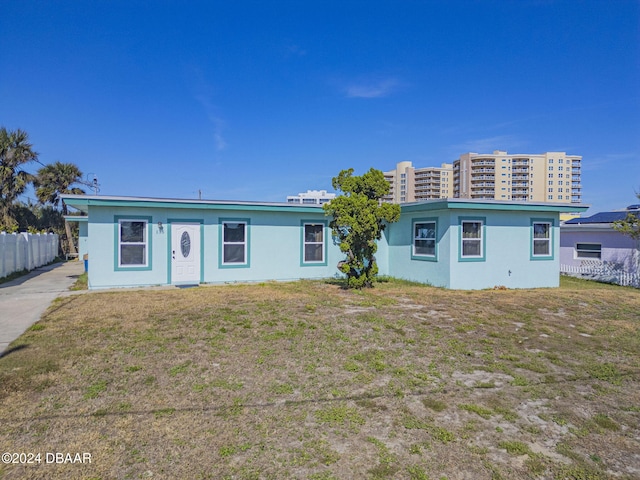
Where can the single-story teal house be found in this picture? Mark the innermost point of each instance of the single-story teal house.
(453, 243)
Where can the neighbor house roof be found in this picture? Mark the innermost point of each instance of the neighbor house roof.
(605, 217)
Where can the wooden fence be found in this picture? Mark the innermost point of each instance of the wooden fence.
(26, 251)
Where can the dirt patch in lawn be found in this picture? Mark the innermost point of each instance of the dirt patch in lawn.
(307, 380)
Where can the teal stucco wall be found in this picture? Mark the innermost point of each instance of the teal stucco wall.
(275, 242)
(274, 246)
(507, 258)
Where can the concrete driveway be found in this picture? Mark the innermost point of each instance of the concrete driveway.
(24, 300)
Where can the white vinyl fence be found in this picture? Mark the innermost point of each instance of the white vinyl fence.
(603, 272)
(26, 251)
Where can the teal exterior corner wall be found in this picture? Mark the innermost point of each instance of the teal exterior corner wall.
(506, 259)
(83, 239)
(401, 261)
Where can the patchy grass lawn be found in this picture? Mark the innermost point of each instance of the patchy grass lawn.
(306, 380)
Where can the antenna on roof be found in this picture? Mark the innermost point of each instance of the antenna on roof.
(92, 182)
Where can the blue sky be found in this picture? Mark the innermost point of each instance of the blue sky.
(257, 100)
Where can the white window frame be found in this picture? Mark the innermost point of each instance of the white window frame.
(577, 251)
(541, 240)
(425, 256)
(465, 240)
(305, 243)
(144, 243)
(244, 243)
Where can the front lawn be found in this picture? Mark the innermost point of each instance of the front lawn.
(307, 380)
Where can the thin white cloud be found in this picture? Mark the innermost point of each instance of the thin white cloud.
(294, 50)
(203, 94)
(216, 121)
(489, 144)
(611, 160)
(218, 138)
(373, 88)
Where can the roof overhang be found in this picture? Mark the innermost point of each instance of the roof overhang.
(83, 202)
(586, 227)
(76, 218)
(467, 204)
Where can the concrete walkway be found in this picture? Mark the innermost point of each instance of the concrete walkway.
(24, 300)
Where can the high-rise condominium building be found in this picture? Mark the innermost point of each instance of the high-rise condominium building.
(547, 177)
(409, 184)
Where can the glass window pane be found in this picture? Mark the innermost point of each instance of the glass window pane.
(234, 232)
(132, 232)
(313, 253)
(540, 230)
(594, 247)
(425, 247)
(425, 230)
(588, 254)
(471, 230)
(588, 250)
(185, 244)
(471, 248)
(541, 247)
(313, 233)
(132, 255)
(233, 254)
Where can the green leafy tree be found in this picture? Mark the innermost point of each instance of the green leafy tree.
(630, 225)
(358, 221)
(54, 180)
(15, 152)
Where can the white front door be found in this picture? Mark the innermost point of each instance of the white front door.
(185, 253)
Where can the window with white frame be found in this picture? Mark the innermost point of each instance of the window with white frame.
(313, 242)
(132, 243)
(424, 239)
(589, 251)
(234, 243)
(541, 239)
(472, 246)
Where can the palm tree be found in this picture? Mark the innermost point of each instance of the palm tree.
(15, 151)
(54, 180)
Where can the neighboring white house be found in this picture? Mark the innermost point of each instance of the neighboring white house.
(592, 247)
(311, 197)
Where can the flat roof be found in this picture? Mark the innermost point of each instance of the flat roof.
(81, 202)
(478, 204)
